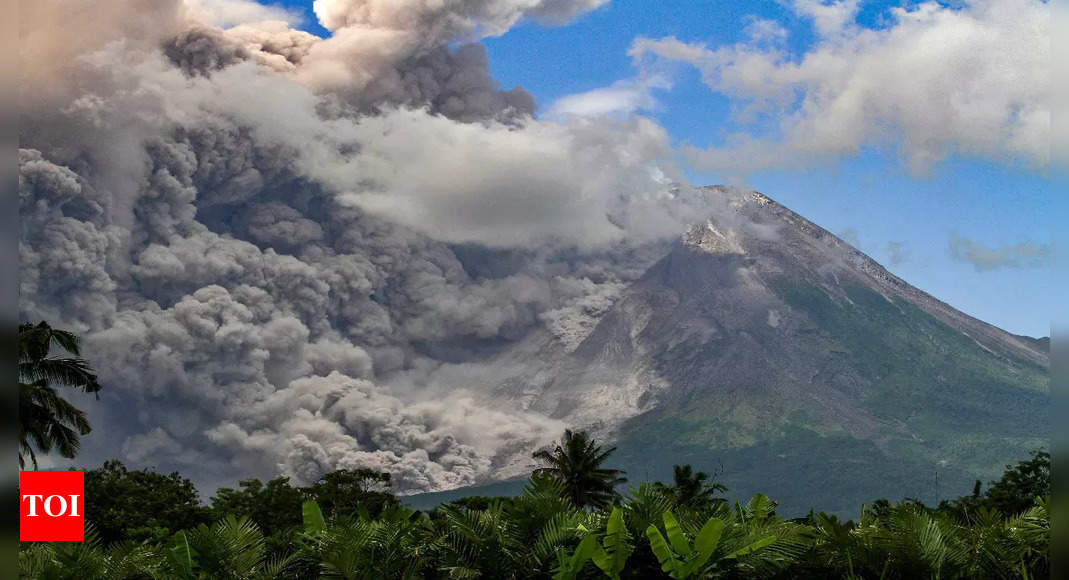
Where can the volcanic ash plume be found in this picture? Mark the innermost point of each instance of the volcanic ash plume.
(277, 245)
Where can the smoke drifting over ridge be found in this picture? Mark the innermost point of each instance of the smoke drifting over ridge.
(286, 253)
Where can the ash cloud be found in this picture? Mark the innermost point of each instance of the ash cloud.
(898, 253)
(291, 254)
(201, 50)
(984, 257)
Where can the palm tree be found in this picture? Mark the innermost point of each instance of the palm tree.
(478, 543)
(576, 462)
(90, 560)
(46, 420)
(397, 543)
(232, 548)
(691, 489)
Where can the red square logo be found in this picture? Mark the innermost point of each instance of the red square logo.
(52, 506)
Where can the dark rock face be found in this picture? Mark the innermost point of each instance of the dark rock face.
(766, 349)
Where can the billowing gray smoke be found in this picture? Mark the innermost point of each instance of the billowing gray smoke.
(294, 254)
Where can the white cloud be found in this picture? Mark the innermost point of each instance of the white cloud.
(228, 13)
(621, 98)
(447, 20)
(936, 81)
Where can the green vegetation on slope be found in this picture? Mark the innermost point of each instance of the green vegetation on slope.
(955, 399)
(901, 345)
(946, 412)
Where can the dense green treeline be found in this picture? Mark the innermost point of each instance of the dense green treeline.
(568, 523)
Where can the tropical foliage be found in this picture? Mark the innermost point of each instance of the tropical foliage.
(47, 421)
(276, 530)
(141, 505)
(576, 462)
(691, 488)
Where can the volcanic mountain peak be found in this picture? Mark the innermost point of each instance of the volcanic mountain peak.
(765, 228)
(761, 340)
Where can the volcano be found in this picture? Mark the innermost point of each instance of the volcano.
(769, 352)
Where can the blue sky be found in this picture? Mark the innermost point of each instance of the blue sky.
(905, 219)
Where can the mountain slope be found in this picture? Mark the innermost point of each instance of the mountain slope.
(767, 349)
